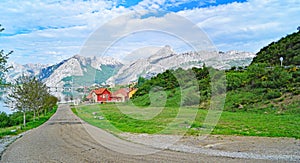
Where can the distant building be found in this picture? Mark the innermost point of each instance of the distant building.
(132, 92)
(120, 95)
(100, 95)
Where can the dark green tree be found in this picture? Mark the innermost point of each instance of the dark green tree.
(4, 120)
(141, 81)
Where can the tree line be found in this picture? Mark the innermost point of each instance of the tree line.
(28, 94)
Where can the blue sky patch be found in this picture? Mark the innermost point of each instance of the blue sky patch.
(127, 3)
(198, 4)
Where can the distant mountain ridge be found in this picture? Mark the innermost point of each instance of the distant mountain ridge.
(82, 71)
(27, 70)
(166, 58)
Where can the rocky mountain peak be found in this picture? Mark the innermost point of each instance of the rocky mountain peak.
(111, 70)
(164, 52)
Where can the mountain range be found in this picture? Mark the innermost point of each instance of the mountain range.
(166, 58)
(79, 71)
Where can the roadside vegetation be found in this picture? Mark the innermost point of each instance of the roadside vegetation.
(12, 123)
(28, 97)
(32, 103)
(262, 99)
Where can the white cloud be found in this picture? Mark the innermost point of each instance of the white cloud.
(236, 24)
(129, 32)
(149, 5)
(39, 30)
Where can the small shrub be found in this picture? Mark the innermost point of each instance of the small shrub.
(272, 94)
(296, 91)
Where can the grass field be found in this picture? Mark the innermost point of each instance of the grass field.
(169, 120)
(29, 125)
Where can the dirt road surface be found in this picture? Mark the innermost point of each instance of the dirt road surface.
(65, 138)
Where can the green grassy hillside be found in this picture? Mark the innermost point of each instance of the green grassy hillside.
(288, 47)
(258, 88)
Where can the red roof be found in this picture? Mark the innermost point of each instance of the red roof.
(99, 91)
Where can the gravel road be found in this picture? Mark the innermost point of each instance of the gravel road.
(65, 138)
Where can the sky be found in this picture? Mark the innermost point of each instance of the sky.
(49, 31)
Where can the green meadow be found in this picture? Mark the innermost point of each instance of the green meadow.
(17, 129)
(187, 120)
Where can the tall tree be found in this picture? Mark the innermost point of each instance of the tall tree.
(30, 94)
(19, 98)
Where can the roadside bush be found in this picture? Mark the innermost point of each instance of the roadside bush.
(4, 120)
(272, 94)
(16, 118)
(235, 80)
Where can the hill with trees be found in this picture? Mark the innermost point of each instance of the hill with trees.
(287, 47)
(259, 87)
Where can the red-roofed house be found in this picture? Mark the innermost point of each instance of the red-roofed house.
(100, 95)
